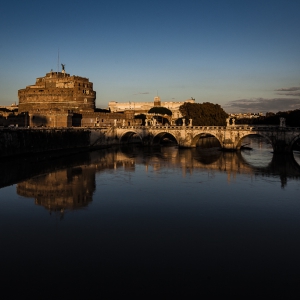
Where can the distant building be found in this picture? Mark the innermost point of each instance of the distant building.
(9, 108)
(157, 101)
(144, 107)
(247, 115)
(9, 116)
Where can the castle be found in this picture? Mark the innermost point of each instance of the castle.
(58, 91)
(61, 100)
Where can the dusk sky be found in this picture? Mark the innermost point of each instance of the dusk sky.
(243, 55)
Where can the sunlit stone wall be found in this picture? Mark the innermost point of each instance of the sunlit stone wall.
(58, 91)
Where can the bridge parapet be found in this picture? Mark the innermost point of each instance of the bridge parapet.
(230, 137)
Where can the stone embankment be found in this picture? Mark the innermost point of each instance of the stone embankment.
(31, 141)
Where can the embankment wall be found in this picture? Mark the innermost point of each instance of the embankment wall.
(28, 141)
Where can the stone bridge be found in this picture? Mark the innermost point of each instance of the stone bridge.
(230, 137)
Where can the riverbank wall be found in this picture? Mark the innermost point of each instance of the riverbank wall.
(31, 141)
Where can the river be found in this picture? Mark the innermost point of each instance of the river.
(160, 222)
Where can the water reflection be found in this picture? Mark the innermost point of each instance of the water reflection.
(157, 218)
(68, 184)
(296, 155)
(68, 188)
(71, 188)
(260, 153)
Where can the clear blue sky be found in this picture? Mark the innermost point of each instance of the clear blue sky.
(243, 55)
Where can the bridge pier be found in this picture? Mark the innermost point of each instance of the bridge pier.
(281, 140)
(281, 147)
(230, 138)
(229, 147)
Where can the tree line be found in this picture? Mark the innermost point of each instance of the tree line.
(292, 118)
(209, 114)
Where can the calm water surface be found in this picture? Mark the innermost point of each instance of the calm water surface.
(156, 222)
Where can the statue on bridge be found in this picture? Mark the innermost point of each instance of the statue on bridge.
(228, 122)
(282, 122)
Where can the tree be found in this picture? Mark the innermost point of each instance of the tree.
(204, 114)
(102, 110)
(160, 110)
(142, 117)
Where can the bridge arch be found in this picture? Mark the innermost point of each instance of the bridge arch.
(157, 138)
(239, 144)
(230, 137)
(197, 137)
(127, 136)
(293, 141)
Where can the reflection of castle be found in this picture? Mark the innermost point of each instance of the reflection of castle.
(70, 188)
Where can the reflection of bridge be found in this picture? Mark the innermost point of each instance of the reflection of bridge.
(69, 183)
(230, 137)
(214, 161)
